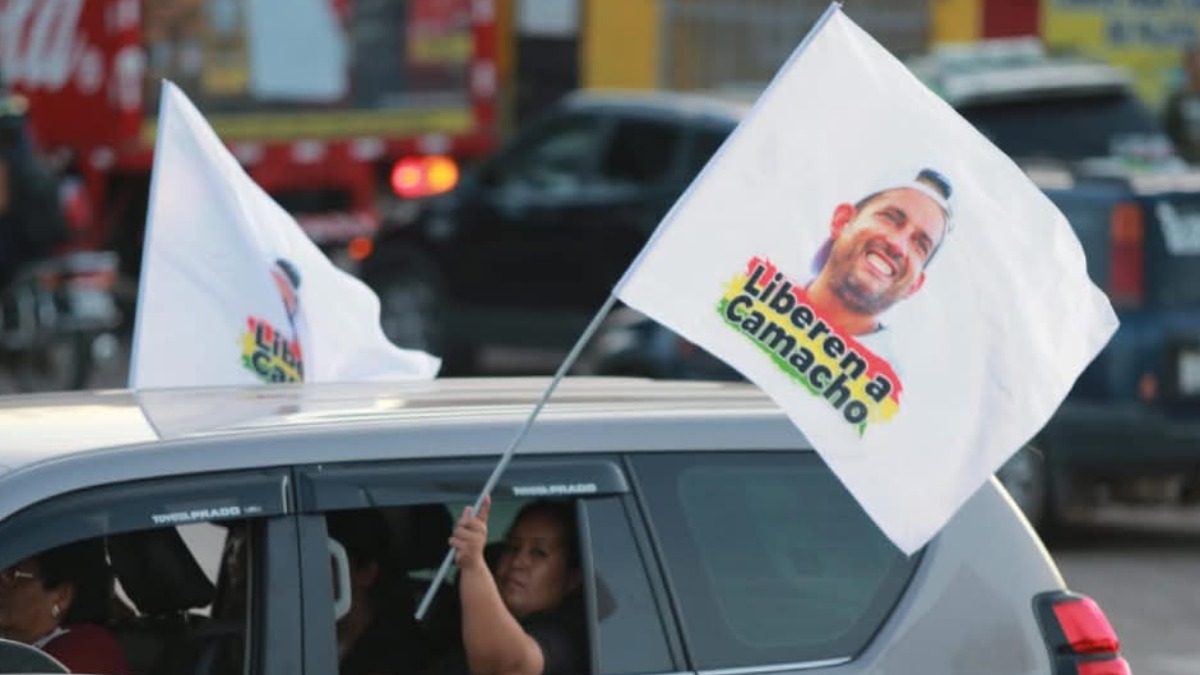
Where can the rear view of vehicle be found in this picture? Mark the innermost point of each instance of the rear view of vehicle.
(1127, 431)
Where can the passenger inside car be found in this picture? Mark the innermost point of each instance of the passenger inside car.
(378, 634)
(526, 617)
(59, 601)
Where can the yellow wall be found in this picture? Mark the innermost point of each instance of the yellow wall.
(619, 44)
(955, 20)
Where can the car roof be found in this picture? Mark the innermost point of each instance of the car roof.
(728, 105)
(58, 443)
(40, 428)
(1013, 69)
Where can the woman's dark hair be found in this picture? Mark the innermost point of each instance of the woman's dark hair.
(84, 565)
(562, 512)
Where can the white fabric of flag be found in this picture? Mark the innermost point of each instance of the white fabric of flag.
(895, 282)
(233, 292)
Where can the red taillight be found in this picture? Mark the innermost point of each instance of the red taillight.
(360, 248)
(1117, 666)
(1086, 628)
(1126, 271)
(1079, 636)
(416, 177)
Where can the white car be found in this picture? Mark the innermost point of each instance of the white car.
(713, 540)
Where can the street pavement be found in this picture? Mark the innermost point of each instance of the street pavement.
(1143, 567)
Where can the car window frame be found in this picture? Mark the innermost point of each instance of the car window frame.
(263, 497)
(409, 482)
(646, 560)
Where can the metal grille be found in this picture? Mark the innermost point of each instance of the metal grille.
(708, 44)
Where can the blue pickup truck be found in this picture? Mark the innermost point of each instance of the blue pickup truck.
(1130, 429)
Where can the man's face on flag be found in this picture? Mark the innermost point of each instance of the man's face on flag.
(880, 250)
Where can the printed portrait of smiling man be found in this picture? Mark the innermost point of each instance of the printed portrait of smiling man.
(877, 254)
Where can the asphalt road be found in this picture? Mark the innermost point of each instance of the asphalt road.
(1143, 567)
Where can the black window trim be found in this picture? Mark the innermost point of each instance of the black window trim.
(317, 628)
(256, 493)
(647, 543)
(280, 614)
(400, 482)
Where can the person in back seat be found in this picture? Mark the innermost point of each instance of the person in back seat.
(528, 618)
(59, 601)
(378, 636)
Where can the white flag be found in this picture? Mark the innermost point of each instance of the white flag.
(897, 284)
(232, 290)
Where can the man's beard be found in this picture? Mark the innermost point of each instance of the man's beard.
(858, 296)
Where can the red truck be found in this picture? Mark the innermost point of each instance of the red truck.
(340, 109)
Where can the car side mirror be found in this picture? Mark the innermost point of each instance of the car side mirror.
(18, 657)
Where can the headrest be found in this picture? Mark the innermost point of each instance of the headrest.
(158, 572)
(425, 542)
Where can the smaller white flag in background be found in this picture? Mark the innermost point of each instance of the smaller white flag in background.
(897, 284)
(233, 292)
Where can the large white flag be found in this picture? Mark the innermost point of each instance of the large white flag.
(232, 290)
(897, 284)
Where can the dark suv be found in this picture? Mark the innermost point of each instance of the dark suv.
(1130, 428)
(528, 246)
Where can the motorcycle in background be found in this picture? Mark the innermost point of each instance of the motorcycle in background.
(58, 318)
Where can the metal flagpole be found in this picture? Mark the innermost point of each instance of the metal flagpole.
(829, 12)
(507, 456)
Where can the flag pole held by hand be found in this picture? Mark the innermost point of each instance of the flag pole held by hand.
(507, 456)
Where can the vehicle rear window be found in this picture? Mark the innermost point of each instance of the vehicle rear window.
(1173, 250)
(640, 152)
(1072, 128)
(771, 560)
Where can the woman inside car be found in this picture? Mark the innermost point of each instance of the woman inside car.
(527, 619)
(58, 601)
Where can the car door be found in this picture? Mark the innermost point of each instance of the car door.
(413, 504)
(557, 220)
(203, 568)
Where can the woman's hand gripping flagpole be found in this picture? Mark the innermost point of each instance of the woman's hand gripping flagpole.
(507, 456)
(833, 8)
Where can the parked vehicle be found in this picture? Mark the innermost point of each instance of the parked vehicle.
(711, 537)
(1128, 430)
(524, 251)
(339, 110)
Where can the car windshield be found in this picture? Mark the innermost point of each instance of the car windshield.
(1069, 128)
